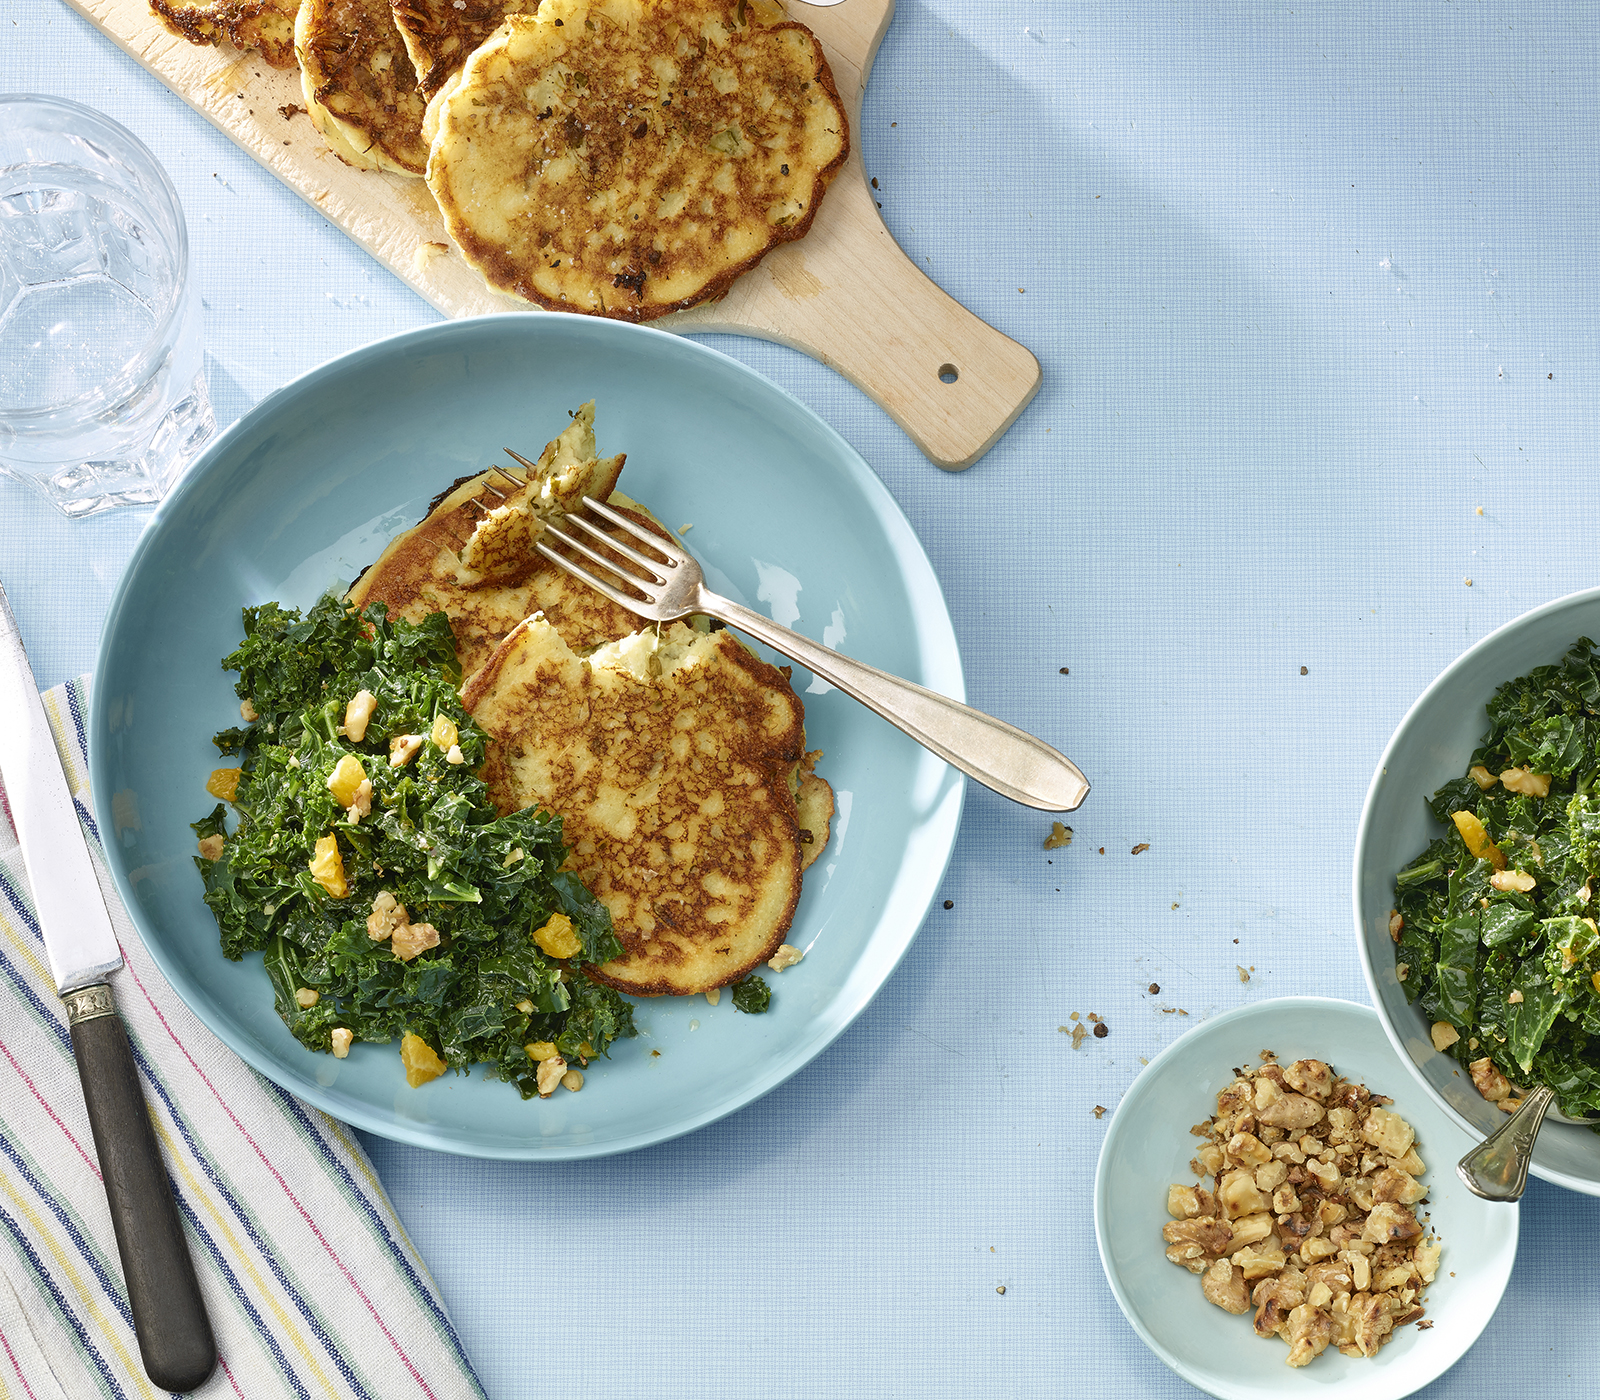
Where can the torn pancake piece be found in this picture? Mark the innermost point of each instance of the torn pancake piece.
(627, 158)
(673, 762)
(267, 26)
(472, 556)
(440, 34)
(359, 85)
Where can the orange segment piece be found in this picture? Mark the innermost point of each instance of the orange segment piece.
(421, 1063)
(346, 779)
(558, 938)
(327, 867)
(1477, 839)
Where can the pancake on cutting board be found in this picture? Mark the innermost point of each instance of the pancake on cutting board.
(264, 25)
(627, 158)
(359, 85)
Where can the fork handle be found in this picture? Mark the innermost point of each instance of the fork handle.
(997, 754)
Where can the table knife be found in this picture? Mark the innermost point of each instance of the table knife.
(169, 1315)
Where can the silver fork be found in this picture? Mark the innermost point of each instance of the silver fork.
(998, 755)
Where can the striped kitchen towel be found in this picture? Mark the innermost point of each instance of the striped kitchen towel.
(313, 1288)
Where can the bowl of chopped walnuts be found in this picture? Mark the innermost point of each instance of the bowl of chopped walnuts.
(1477, 867)
(1277, 1210)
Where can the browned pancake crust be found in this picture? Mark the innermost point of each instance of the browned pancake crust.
(673, 793)
(354, 63)
(439, 34)
(267, 26)
(574, 175)
(813, 812)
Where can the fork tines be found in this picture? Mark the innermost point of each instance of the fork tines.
(647, 586)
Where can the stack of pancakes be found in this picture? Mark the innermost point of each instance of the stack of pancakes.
(623, 158)
(675, 756)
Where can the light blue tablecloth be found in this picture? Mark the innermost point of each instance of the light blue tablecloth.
(1309, 286)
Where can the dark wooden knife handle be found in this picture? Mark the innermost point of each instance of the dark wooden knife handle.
(169, 1315)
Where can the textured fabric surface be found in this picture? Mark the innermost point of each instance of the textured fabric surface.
(1309, 286)
(312, 1286)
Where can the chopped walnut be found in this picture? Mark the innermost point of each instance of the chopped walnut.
(1310, 1219)
(1443, 1035)
(410, 939)
(1223, 1284)
(387, 915)
(341, 1041)
(1309, 1077)
(358, 715)
(786, 956)
(1490, 1083)
(1308, 1331)
(361, 806)
(549, 1075)
(1529, 784)
(403, 748)
(211, 847)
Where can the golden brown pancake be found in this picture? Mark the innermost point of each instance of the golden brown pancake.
(670, 761)
(628, 158)
(267, 26)
(439, 34)
(359, 84)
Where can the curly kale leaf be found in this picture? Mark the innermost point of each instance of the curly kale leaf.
(431, 839)
(1513, 969)
(751, 994)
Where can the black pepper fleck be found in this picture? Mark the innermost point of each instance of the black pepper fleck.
(1101, 1030)
(1155, 989)
(949, 904)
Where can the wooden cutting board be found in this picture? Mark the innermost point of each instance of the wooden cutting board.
(845, 294)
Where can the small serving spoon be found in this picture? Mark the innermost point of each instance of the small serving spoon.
(1497, 1168)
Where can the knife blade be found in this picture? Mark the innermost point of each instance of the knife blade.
(176, 1343)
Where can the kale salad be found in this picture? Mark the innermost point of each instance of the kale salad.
(1495, 922)
(368, 867)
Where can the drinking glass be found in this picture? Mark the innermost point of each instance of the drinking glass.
(102, 387)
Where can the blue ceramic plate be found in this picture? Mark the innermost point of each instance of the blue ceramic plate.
(1148, 1147)
(305, 490)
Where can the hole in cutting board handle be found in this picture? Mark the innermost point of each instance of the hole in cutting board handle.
(948, 374)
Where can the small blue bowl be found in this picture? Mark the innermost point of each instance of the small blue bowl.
(1148, 1147)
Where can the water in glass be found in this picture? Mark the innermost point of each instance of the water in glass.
(102, 391)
